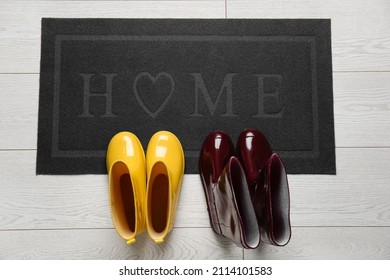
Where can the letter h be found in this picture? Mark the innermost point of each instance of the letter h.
(88, 94)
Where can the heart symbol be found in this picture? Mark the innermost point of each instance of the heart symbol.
(153, 79)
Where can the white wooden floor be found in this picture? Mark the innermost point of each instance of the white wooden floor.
(334, 217)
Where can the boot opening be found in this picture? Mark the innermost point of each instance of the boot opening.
(280, 201)
(128, 200)
(158, 199)
(244, 203)
(122, 200)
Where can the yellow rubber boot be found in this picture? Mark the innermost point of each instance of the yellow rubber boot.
(165, 169)
(127, 185)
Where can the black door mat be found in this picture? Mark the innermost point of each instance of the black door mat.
(188, 76)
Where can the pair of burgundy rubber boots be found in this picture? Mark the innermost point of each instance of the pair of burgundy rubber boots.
(246, 190)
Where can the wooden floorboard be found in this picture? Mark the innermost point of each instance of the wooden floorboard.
(200, 243)
(358, 196)
(306, 243)
(360, 37)
(360, 29)
(20, 22)
(329, 243)
(362, 109)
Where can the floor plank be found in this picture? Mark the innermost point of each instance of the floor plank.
(340, 243)
(306, 244)
(20, 22)
(358, 196)
(361, 110)
(64, 202)
(200, 243)
(360, 29)
(19, 95)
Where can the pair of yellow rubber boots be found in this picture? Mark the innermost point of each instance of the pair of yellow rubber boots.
(144, 191)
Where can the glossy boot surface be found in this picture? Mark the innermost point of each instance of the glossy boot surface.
(216, 151)
(165, 169)
(268, 185)
(253, 151)
(236, 215)
(126, 185)
(229, 203)
(272, 203)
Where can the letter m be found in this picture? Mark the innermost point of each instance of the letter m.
(200, 88)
